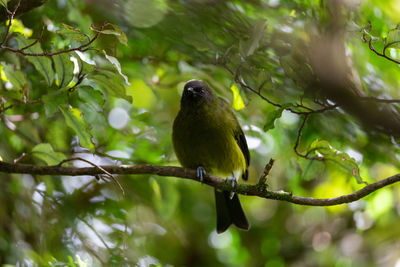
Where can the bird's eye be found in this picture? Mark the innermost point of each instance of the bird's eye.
(198, 89)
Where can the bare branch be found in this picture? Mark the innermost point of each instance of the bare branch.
(309, 110)
(379, 100)
(267, 169)
(19, 102)
(244, 189)
(368, 39)
(36, 41)
(24, 6)
(97, 166)
(11, 15)
(383, 54)
(299, 133)
(23, 155)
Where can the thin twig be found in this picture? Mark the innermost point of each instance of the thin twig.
(3, 108)
(380, 100)
(97, 166)
(92, 248)
(239, 81)
(11, 15)
(23, 155)
(299, 133)
(372, 48)
(267, 169)
(95, 232)
(36, 41)
(244, 85)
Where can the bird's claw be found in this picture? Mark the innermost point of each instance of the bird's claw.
(232, 180)
(200, 172)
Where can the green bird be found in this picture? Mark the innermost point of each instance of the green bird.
(207, 137)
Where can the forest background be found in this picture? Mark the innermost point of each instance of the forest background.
(88, 86)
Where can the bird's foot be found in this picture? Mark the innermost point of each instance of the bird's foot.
(233, 180)
(200, 172)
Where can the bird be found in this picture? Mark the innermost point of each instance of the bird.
(207, 137)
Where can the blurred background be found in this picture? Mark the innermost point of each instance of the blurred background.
(302, 55)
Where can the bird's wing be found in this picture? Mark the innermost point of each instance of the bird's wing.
(240, 139)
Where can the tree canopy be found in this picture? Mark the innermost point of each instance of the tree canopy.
(89, 90)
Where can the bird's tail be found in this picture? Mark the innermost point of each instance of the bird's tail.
(229, 210)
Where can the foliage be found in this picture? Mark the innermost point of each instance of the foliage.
(101, 80)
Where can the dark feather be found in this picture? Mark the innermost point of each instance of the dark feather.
(224, 220)
(236, 212)
(241, 141)
(229, 211)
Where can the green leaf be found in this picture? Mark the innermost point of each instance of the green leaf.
(46, 153)
(89, 95)
(80, 262)
(322, 148)
(71, 261)
(64, 68)
(237, 98)
(353, 27)
(117, 65)
(263, 79)
(121, 36)
(12, 94)
(53, 100)
(142, 95)
(248, 47)
(271, 117)
(85, 67)
(296, 69)
(393, 39)
(91, 103)
(4, 3)
(199, 41)
(73, 33)
(18, 27)
(15, 77)
(287, 63)
(42, 64)
(74, 120)
(110, 83)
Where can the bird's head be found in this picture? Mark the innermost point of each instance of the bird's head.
(197, 92)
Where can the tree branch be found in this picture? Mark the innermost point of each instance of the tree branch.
(84, 47)
(239, 80)
(299, 133)
(24, 6)
(259, 189)
(365, 39)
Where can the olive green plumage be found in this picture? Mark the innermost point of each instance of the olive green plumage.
(207, 136)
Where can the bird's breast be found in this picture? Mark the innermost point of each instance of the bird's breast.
(204, 139)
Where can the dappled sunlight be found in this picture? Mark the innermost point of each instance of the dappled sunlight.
(89, 92)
